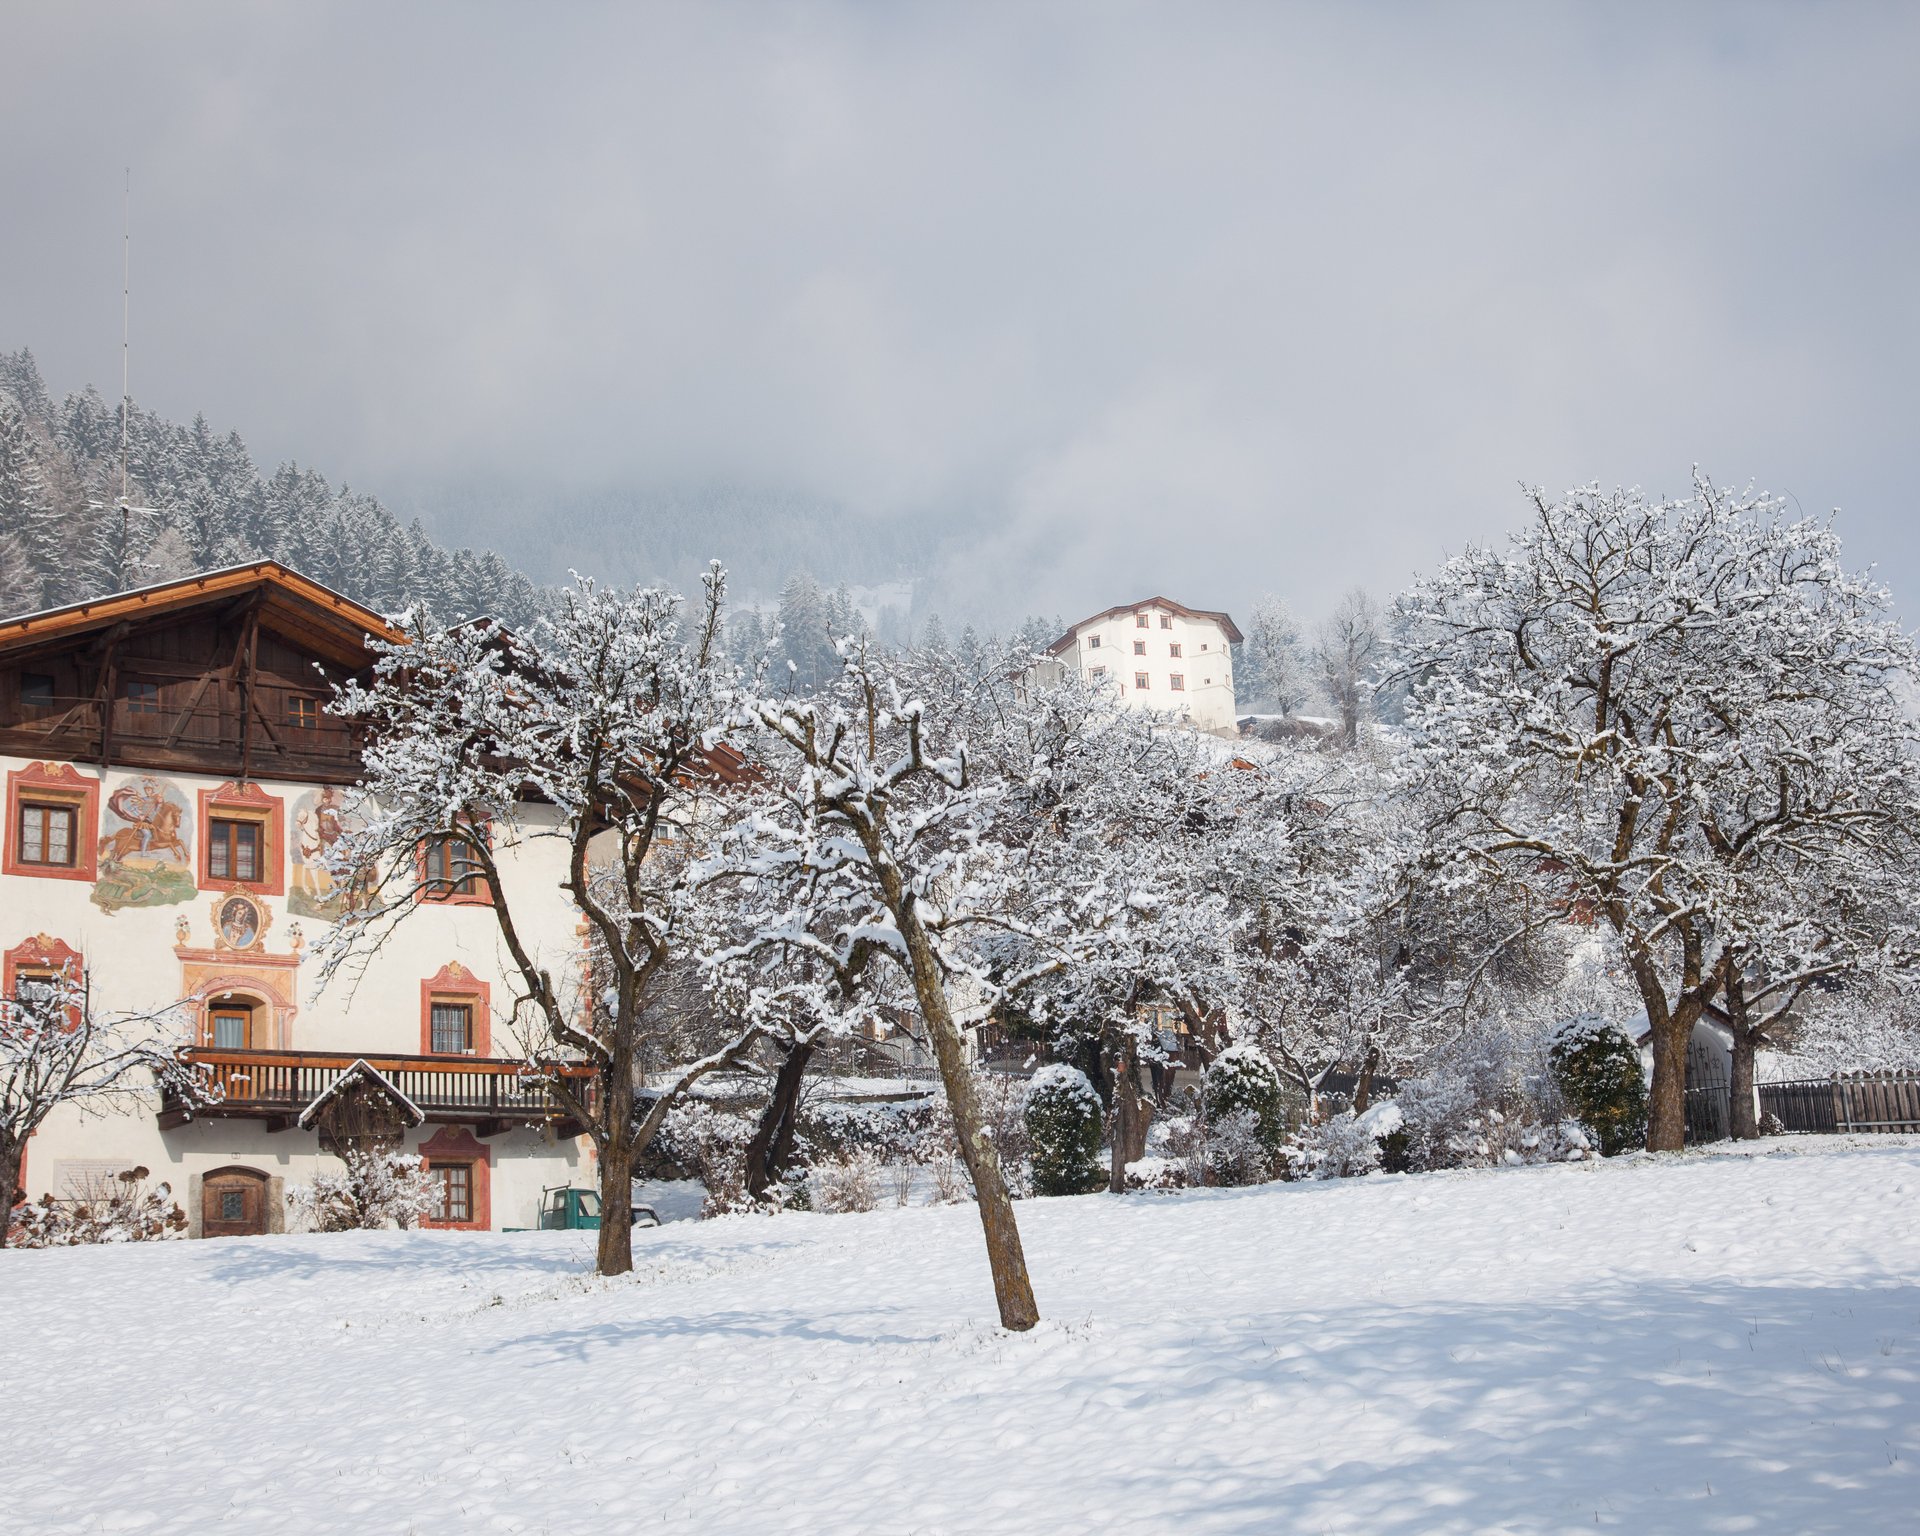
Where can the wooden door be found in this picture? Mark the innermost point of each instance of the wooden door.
(233, 1203)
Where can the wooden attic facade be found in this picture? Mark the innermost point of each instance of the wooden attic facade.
(225, 673)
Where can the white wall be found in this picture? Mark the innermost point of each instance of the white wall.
(1205, 663)
(133, 964)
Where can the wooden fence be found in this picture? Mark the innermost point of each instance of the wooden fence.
(1847, 1101)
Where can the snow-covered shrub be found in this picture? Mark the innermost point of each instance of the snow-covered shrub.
(1003, 1102)
(1477, 1101)
(1063, 1116)
(710, 1144)
(1159, 1174)
(845, 1184)
(119, 1209)
(937, 1149)
(375, 1189)
(1344, 1146)
(1245, 1104)
(1597, 1070)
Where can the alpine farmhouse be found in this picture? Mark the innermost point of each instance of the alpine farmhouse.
(1156, 654)
(173, 785)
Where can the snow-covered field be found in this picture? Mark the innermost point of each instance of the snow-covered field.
(1702, 1344)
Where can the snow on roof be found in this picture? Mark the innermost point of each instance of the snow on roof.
(1225, 621)
(361, 1069)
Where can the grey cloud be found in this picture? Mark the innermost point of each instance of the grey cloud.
(1217, 298)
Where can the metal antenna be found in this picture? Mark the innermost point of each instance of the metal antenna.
(126, 337)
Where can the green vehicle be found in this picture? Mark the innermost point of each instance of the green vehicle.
(578, 1210)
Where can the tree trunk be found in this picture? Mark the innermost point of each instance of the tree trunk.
(1131, 1114)
(1667, 1103)
(9, 1185)
(1363, 1086)
(1011, 1287)
(1743, 1117)
(615, 1253)
(771, 1149)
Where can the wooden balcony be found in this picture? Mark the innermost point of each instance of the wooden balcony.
(491, 1094)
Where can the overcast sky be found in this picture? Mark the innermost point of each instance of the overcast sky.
(1203, 299)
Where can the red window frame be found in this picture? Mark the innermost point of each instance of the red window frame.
(54, 785)
(473, 889)
(458, 1145)
(1177, 682)
(245, 802)
(1140, 680)
(454, 983)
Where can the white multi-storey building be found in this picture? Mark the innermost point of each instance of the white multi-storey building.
(1156, 654)
(173, 782)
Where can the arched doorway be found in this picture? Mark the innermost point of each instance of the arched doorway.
(233, 1203)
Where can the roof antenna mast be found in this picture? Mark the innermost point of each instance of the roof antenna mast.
(126, 337)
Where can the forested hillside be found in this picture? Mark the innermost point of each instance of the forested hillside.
(200, 502)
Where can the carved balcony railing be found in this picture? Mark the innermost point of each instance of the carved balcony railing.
(489, 1093)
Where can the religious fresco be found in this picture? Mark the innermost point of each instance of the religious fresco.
(145, 860)
(316, 888)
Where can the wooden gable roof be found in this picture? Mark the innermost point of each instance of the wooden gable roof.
(313, 617)
(1231, 629)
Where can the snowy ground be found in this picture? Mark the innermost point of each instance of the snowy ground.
(1705, 1344)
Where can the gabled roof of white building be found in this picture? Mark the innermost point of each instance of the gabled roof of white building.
(1225, 622)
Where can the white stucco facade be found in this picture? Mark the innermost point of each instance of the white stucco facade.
(148, 926)
(1156, 654)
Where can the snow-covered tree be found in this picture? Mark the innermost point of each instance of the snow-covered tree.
(1646, 710)
(608, 717)
(875, 853)
(56, 1049)
(1347, 655)
(1275, 672)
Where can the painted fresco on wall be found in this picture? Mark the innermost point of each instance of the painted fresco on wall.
(145, 857)
(319, 822)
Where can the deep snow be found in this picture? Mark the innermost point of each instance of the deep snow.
(1698, 1344)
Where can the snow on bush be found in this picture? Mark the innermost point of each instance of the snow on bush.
(1063, 1117)
(119, 1209)
(375, 1189)
(846, 1184)
(1346, 1145)
(1482, 1101)
(710, 1144)
(1245, 1105)
(1159, 1174)
(1597, 1070)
